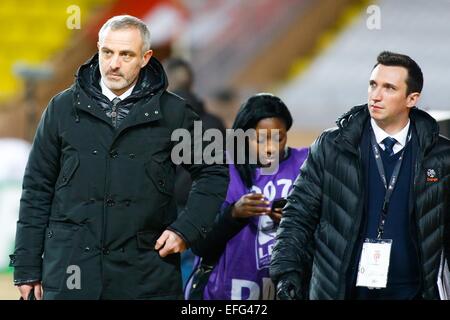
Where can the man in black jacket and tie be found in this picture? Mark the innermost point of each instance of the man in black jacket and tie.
(368, 217)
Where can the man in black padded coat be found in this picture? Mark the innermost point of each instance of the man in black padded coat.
(343, 236)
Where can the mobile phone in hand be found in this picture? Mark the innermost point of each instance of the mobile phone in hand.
(279, 203)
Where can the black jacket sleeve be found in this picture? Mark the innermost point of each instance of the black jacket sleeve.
(37, 193)
(225, 227)
(295, 235)
(209, 187)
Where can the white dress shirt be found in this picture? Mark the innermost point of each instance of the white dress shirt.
(111, 95)
(400, 136)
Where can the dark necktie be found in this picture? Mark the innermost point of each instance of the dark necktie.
(115, 101)
(389, 143)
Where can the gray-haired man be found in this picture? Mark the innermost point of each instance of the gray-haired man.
(98, 219)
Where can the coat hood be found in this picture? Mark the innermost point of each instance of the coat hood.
(152, 80)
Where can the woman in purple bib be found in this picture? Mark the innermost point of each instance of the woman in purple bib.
(235, 255)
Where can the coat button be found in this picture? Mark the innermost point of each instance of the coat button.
(94, 152)
(64, 179)
(105, 251)
(110, 202)
(132, 155)
(87, 249)
(50, 234)
(161, 183)
(204, 230)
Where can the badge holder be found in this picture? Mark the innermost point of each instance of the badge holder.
(374, 263)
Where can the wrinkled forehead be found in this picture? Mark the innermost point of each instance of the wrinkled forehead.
(121, 39)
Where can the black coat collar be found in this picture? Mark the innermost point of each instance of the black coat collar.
(351, 127)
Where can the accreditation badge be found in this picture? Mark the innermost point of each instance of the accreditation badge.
(374, 263)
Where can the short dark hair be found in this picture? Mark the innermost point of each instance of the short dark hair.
(414, 81)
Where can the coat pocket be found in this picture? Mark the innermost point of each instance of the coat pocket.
(162, 175)
(58, 251)
(147, 239)
(148, 256)
(68, 169)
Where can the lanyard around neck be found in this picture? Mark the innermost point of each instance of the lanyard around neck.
(393, 181)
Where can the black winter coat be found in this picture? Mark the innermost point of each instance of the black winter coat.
(325, 209)
(97, 197)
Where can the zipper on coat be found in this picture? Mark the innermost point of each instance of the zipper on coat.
(415, 225)
(114, 116)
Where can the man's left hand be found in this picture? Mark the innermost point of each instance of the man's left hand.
(169, 242)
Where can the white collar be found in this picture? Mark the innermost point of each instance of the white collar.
(111, 95)
(400, 136)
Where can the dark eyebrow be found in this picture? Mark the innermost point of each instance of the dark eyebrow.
(129, 52)
(389, 85)
(385, 85)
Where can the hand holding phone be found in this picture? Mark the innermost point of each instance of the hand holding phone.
(279, 203)
(276, 212)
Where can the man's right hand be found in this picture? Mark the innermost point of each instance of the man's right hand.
(25, 290)
(289, 287)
